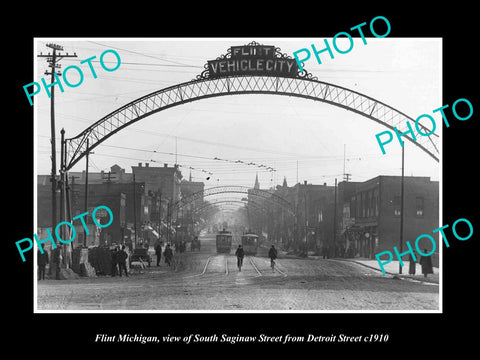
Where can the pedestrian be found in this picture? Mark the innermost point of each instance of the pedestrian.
(168, 254)
(122, 261)
(240, 254)
(57, 260)
(412, 265)
(426, 262)
(272, 254)
(325, 251)
(158, 251)
(114, 259)
(42, 261)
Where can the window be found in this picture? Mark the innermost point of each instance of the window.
(375, 202)
(353, 206)
(362, 195)
(419, 203)
(367, 204)
(396, 206)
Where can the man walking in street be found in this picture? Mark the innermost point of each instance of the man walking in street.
(240, 254)
(42, 261)
(272, 254)
(122, 261)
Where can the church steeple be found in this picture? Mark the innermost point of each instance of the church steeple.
(257, 184)
(285, 182)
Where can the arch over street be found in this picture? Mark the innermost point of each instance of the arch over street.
(234, 189)
(213, 84)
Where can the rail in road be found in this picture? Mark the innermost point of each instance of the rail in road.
(223, 265)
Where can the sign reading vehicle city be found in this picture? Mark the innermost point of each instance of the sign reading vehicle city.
(252, 59)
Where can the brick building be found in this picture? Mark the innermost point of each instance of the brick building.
(118, 197)
(165, 179)
(369, 217)
(307, 224)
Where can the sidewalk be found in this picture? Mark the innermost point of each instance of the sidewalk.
(392, 268)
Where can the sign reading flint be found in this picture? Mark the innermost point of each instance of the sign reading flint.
(252, 59)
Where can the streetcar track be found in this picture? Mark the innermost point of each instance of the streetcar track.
(254, 266)
(258, 271)
(275, 268)
(280, 271)
(204, 269)
(206, 264)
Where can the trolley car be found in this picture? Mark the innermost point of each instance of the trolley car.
(224, 241)
(250, 243)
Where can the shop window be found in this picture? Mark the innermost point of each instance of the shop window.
(419, 206)
(396, 206)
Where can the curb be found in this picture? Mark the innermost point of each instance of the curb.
(387, 272)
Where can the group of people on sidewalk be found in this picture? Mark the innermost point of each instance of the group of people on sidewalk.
(167, 253)
(43, 260)
(119, 261)
(425, 262)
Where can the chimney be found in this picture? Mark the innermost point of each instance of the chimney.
(305, 182)
(139, 164)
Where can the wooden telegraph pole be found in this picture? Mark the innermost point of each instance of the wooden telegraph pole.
(52, 60)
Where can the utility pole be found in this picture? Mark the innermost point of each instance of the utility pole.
(346, 176)
(160, 214)
(134, 209)
(401, 207)
(306, 220)
(335, 217)
(176, 162)
(86, 194)
(52, 60)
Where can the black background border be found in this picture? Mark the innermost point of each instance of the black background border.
(410, 332)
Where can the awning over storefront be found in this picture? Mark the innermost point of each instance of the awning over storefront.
(151, 230)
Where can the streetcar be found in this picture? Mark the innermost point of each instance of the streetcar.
(224, 241)
(250, 243)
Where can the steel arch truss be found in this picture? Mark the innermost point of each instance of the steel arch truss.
(228, 202)
(258, 193)
(308, 88)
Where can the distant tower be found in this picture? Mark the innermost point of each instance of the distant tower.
(190, 177)
(285, 182)
(257, 184)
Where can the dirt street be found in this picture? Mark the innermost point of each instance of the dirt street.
(205, 280)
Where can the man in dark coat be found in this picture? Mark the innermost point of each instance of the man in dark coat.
(325, 251)
(412, 265)
(57, 259)
(240, 254)
(168, 254)
(272, 254)
(42, 261)
(114, 261)
(122, 261)
(158, 251)
(426, 262)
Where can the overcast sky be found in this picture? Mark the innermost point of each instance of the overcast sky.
(269, 130)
